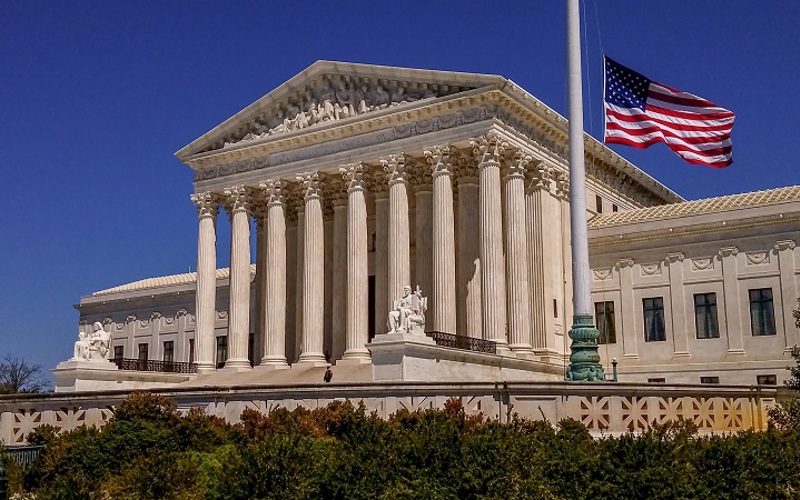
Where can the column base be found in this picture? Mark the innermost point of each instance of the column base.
(237, 365)
(355, 357)
(681, 354)
(273, 363)
(204, 368)
(502, 346)
(313, 359)
(521, 349)
(736, 352)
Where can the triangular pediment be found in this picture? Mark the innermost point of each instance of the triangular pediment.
(328, 92)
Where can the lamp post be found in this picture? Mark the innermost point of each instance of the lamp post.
(584, 360)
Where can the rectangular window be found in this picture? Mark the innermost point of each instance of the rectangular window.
(555, 308)
(604, 316)
(598, 201)
(119, 352)
(169, 350)
(766, 380)
(762, 314)
(222, 351)
(654, 330)
(191, 350)
(657, 380)
(709, 380)
(705, 316)
(142, 364)
(614, 208)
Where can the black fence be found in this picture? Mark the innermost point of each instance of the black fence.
(459, 342)
(151, 365)
(23, 455)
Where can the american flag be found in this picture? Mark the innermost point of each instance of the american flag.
(641, 112)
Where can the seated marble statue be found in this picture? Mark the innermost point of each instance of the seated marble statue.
(94, 346)
(408, 315)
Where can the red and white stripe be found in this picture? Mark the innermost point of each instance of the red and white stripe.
(696, 129)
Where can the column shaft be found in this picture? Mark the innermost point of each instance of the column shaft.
(275, 352)
(205, 311)
(423, 261)
(339, 324)
(444, 265)
(314, 274)
(469, 261)
(239, 310)
(357, 272)
(493, 283)
(399, 250)
(519, 331)
(381, 261)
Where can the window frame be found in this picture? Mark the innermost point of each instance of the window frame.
(170, 351)
(761, 309)
(602, 326)
(710, 316)
(657, 319)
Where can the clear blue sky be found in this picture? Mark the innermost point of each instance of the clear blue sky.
(95, 97)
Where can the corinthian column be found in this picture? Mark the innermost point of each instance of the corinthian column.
(238, 205)
(488, 150)
(339, 285)
(357, 272)
(399, 251)
(314, 272)
(519, 330)
(275, 293)
(544, 256)
(469, 254)
(444, 265)
(423, 220)
(205, 309)
(381, 189)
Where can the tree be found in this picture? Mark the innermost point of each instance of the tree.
(16, 376)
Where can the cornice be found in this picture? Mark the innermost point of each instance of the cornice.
(672, 234)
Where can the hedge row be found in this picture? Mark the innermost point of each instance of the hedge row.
(149, 450)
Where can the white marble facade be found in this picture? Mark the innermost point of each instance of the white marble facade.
(359, 180)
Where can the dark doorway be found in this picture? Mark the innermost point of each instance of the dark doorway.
(371, 326)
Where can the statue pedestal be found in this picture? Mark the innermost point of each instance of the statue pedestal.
(103, 375)
(402, 357)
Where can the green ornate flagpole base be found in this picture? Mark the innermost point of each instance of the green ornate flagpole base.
(584, 361)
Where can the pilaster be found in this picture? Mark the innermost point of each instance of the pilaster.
(423, 221)
(628, 313)
(789, 292)
(733, 314)
(680, 327)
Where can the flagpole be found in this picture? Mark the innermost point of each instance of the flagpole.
(584, 359)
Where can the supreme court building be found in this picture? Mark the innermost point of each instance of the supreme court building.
(359, 180)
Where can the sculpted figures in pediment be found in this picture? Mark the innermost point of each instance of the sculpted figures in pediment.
(336, 98)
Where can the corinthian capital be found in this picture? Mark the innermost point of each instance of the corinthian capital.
(395, 168)
(311, 183)
(273, 191)
(488, 148)
(354, 176)
(540, 175)
(562, 185)
(237, 198)
(466, 167)
(518, 163)
(207, 204)
(438, 158)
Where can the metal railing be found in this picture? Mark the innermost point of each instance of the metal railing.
(152, 365)
(443, 339)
